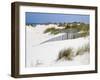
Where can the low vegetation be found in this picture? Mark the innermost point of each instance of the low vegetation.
(83, 49)
(66, 54)
(52, 30)
(84, 34)
(80, 27)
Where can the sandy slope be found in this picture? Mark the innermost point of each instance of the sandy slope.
(46, 54)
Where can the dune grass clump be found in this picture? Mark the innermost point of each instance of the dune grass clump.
(83, 49)
(80, 27)
(49, 30)
(52, 30)
(84, 34)
(66, 54)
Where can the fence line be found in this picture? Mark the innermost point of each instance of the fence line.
(63, 37)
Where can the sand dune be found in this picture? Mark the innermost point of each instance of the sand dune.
(46, 54)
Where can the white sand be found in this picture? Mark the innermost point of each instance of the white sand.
(47, 53)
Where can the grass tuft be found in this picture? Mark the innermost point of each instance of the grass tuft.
(67, 54)
(52, 30)
(83, 49)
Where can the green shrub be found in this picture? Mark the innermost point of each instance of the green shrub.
(49, 30)
(67, 54)
(84, 28)
(84, 34)
(52, 30)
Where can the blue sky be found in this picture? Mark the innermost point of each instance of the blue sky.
(32, 17)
